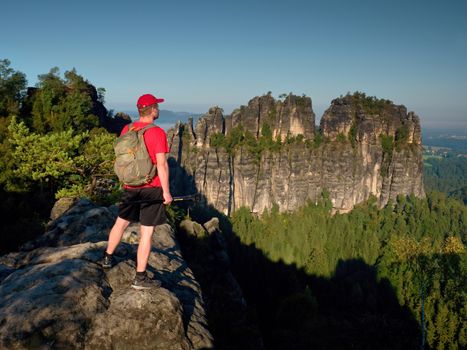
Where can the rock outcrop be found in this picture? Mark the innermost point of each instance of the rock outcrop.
(54, 294)
(269, 152)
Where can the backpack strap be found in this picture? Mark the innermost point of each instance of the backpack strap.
(141, 133)
(131, 127)
(143, 130)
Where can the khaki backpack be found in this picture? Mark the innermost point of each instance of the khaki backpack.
(133, 165)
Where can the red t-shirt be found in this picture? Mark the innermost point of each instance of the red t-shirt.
(156, 142)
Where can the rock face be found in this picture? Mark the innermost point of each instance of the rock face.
(269, 152)
(54, 294)
(292, 117)
(205, 249)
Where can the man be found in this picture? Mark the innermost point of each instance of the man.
(150, 214)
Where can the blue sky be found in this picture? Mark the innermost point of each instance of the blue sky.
(197, 54)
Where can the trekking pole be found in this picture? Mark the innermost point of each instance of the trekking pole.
(192, 197)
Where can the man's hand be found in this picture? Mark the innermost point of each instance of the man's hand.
(167, 198)
(163, 173)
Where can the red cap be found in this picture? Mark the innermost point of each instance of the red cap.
(147, 100)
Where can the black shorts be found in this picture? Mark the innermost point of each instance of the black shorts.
(148, 214)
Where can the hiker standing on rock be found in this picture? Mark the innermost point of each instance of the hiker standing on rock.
(144, 199)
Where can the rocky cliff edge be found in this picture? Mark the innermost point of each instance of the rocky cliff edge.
(54, 293)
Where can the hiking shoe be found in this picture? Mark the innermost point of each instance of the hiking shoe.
(145, 283)
(107, 261)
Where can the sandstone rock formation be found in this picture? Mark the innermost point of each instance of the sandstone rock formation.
(269, 152)
(54, 294)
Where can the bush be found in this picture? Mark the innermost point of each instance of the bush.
(387, 145)
(370, 104)
(341, 138)
(318, 139)
(217, 140)
(402, 136)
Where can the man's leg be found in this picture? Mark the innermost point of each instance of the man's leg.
(151, 214)
(144, 248)
(116, 234)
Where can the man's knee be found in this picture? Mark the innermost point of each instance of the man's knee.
(120, 222)
(147, 231)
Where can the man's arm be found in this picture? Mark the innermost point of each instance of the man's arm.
(163, 173)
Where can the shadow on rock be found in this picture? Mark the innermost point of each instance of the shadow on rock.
(54, 293)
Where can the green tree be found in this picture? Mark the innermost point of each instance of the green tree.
(59, 104)
(401, 137)
(234, 138)
(95, 160)
(58, 160)
(49, 147)
(40, 158)
(12, 89)
(419, 257)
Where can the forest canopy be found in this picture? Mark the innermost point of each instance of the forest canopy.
(352, 271)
